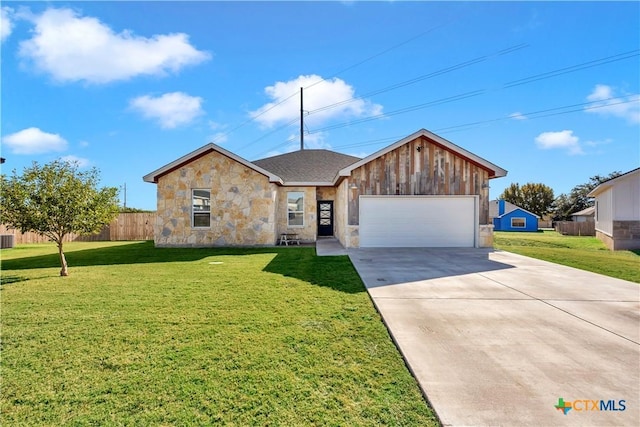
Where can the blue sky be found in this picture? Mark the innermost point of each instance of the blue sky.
(548, 91)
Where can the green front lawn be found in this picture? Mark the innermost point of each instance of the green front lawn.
(586, 253)
(144, 336)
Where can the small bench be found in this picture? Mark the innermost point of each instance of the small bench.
(286, 238)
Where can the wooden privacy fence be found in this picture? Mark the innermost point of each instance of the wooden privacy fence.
(573, 228)
(127, 226)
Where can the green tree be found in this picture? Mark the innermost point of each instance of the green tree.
(133, 210)
(56, 199)
(577, 199)
(535, 197)
(512, 194)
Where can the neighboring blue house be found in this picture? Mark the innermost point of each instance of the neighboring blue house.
(509, 217)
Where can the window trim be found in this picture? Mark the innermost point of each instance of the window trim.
(524, 222)
(193, 211)
(289, 225)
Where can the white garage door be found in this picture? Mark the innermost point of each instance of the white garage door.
(418, 221)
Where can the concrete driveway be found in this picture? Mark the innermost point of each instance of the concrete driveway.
(495, 338)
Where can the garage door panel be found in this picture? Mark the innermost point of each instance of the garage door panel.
(403, 221)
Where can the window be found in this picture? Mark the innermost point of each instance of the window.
(295, 208)
(201, 201)
(518, 222)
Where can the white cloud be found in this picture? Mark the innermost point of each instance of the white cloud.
(170, 110)
(518, 116)
(34, 141)
(316, 96)
(6, 24)
(81, 161)
(315, 140)
(74, 48)
(623, 106)
(564, 139)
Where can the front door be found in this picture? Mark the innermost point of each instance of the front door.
(325, 218)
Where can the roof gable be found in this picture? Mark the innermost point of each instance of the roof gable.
(508, 208)
(307, 167)
(494, 170)
(202, 151)
(585, 212)
(516, 210)
(613, 181)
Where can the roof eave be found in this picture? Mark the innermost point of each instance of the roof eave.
(307, 184)
(609, 183)
(518, 209)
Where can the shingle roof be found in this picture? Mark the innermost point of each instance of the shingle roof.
(307, 166)
(588, 211)
(508, 208)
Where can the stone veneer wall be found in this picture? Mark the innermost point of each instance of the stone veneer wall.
(307, 232)
(626, 235)
(326, 193)
(485, 236)
(243, 205)
(340, 212)
(348, 235)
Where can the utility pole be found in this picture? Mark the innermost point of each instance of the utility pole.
(125, 196)
(301, 121)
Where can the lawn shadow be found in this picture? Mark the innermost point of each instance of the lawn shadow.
(298, 262)
(9, 279)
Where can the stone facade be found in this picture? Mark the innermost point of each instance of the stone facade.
(243, 205)
(249, 202)
(485, 236)
(326, 193)
(626, 235)
(306, 232)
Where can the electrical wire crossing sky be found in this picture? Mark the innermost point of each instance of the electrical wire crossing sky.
(550, 91)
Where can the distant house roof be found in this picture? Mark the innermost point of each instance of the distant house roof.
(494, 171)
(508, 208)
(609, 183)
(307, 166)
(585, 212)
(204, 150)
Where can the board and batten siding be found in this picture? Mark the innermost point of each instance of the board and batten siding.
(420, 167)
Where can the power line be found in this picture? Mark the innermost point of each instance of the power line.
(531, 116)
(396, 86)
(540, 113)
(537, 77)
(424, 77)
(584, 65)
(405, 110)
(271, 132)
(225, 134)
(357, 64)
